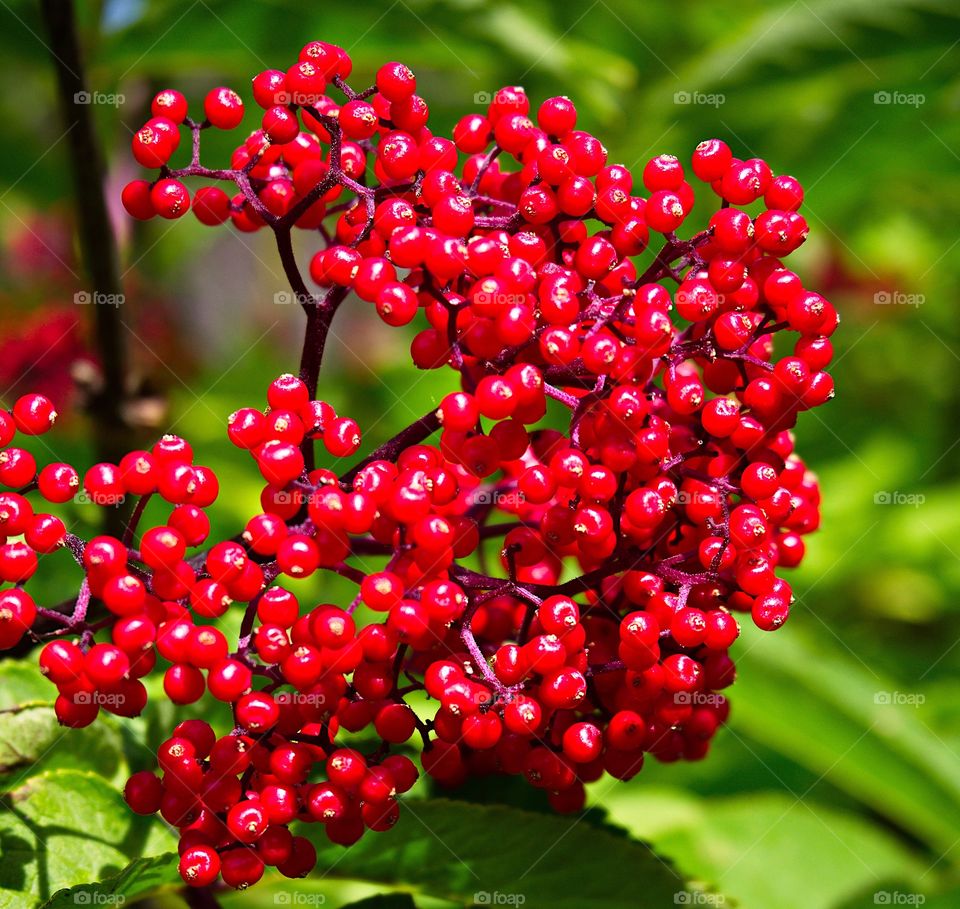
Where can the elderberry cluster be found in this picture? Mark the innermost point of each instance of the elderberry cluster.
(615, 441)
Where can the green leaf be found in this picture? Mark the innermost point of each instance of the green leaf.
(140, 877)
(481, 854)
(385, 901)
(64, 828)
(830, 31)
(826, 711)
(31, 740)
(15, 899)
(22, 683)
(730, 841)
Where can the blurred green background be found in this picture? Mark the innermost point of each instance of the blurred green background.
(837, 783)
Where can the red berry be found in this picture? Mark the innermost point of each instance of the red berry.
(17, 615)
(171, 104)
(135, 198)
(170, 198)
(211, 205)
(395, 82)
(223, 108)
(34, 414)
(199, 866)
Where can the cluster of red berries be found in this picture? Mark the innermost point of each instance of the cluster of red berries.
(234, 797)
(626, 541)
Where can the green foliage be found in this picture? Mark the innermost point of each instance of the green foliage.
(141, 876)
(62, 828)
(817, 795)
(728, 840)
(470, 853)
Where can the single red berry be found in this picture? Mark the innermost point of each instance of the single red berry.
(211, 205)
(17, 615)
(171, 104)
(247, 821)
(395, 82)
(136, 200)
(105, 665)
(711, 158)
(170, 198)
(223, 108)
(199, 866)
(34, 414)
(280, 124)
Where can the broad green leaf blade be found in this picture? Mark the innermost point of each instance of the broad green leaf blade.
(64, 827)
(31, 740)
(828, 712)
(22, 683)
(141, 877)
(15, 899)
(731, 843)
(481, 854)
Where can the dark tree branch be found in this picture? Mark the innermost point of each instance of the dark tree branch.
(98, 246)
